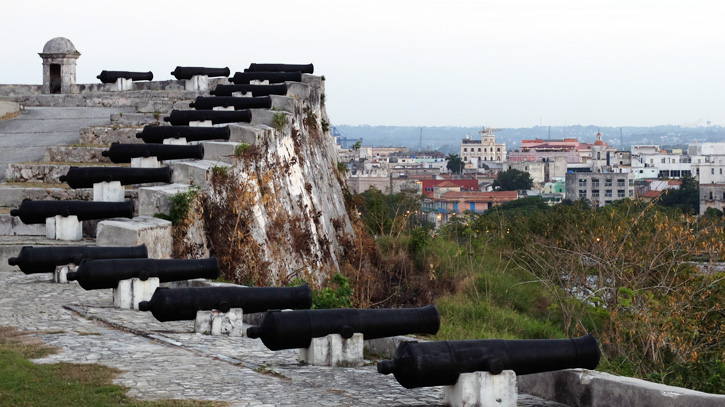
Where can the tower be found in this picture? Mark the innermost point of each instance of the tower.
(59, 66)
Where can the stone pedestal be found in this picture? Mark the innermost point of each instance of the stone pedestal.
(203, 123)
(64, 228)
(61, 273)
(220, 323)
(108, 192)
(123, 84)
(334, 350)
(259, 82)
(146, 162)
(197, 83)
(482, 389)
(227, 108)
(178, 141)
(242, 94)
(155, 233)
(130, 292)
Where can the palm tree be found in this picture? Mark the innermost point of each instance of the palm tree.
(455, 164)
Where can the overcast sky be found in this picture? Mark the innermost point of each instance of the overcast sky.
(506, 63)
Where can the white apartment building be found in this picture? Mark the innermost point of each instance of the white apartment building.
(479, 152)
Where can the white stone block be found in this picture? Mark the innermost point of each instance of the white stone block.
(223, 108)
(242, 94)
(155, 233)
(197, 83)
(259, 82)
(334, 350)
(130, 292)
(61, 273)
(147, 162)
(202, 123)
(483, 389)
(64, 228)
(124, 84)
(179, 141)
(109, 192)
(220, 323)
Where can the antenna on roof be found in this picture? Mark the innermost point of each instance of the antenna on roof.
(420, 140)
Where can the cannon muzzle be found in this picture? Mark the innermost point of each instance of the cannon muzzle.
(33, 260)
(99, 274)
(186, 72)
(429, 364)
(113, 76)
(295, 329)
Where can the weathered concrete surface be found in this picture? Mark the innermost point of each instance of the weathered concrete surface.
(168, 360)
(195, 172)
(153, 200)
(587, 388)
(8, 109)
(154, 232)
(26, 137)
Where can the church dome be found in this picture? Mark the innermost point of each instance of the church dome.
(59, 45)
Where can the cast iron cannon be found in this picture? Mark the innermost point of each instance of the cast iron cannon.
(99, 274)
(304, 68)
(183, 117)
(186, 72)
(272, 77)
(182, 303)
(123, 153)
(257, 90)
(440, 363)
(295, 329)
(205, 103)
(85, 177)
(33, 260)
(157, 134)
(34, 212)
(113, 76)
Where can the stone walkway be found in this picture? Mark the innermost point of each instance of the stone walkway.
(168, 360)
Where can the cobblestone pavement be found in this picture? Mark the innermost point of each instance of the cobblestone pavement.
(168, 360)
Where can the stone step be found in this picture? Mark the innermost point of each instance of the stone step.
(154, 200)
(164, 105)
(265, 117)
(44, 172)
(197, 173)
(249, 133)
(76, 154)
(155, 233)
(105, 135)
(12, 195)
(283, 103)
(220, 150)
(10, 246)
(12, 226)
(137, 119)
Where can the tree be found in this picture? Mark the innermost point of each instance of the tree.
(357, 145)
(513, 180)
(389, 214)
(686, 197)
(455, 164)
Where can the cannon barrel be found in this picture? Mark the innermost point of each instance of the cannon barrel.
(123, 153)
(34, 212)
(205, 102)
(303, 68)
(182, 303)
(186, 72)
(272, 77)
(99, 274)
(295, 329)
(34, 260)
(257, 90)
(112, 76)
(440, 363)
(85, 177)
(157, 134)
(183, 117)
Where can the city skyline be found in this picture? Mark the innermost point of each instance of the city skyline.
(465, 63)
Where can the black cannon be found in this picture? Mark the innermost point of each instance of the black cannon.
(183, 117)
(257, 90)
(85, 177)
(157, 134)
(440, 363)
(113, 76)
(33, 212)
(272, 77)
(186, 72)
(295, 329)
(304, 68)
(99, 274)
(182, 303)
(33, 260)
(123, 153)
(205, 102)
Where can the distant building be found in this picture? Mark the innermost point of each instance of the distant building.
(711, 196)
(444, 206)
(476, 153)
(600, 189)
(539, 150)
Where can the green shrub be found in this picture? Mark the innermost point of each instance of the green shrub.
(240, 149)
(279, 120)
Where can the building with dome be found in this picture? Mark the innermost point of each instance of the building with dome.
(59, 66)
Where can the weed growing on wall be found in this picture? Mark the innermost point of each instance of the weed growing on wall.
(279, 120)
